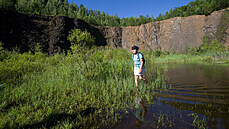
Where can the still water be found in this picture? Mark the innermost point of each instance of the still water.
(198, 98)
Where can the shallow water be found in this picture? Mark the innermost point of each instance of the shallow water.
(198, 97)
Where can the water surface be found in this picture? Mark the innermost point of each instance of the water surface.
(198, 97)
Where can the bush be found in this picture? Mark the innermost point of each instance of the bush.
(192, 51)
(166, 53)
(3, 53)
(81, 38)
(174, 52)
(215, 46)
(157, 53)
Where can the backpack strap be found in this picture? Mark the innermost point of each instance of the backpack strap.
(133, 60)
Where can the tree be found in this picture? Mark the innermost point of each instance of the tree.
(152, 17)
(36, 6)
(62, 7)
(80, 38)
(141, 19)
(21, 6)
(159, 17)
(7, 5)
(71, 11)
(81, 42)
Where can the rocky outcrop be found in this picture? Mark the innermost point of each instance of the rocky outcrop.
(26, 30)
(50, 32)
(176, 33)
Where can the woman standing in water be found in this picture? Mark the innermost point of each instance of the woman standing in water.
(139, 68)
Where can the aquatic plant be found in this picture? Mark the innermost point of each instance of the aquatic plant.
(199, 122)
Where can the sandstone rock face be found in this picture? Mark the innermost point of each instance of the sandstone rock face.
(176, 33)
(26, 30)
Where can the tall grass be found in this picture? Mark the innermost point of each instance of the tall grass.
(67, 92)
(75, 90)
(209, 57)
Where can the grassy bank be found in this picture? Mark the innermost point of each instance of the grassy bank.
(207, 58)
(38, 91)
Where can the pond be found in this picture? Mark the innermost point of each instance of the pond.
(198, 97)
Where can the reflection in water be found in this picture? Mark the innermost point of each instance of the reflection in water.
(198, 98)
(202, 89)
(140, 111)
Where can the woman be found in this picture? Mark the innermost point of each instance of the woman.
(139, 68)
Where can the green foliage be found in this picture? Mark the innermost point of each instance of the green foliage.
(166, 53)
(57, 92)
(82, 42)
(69, 92)
(95, 17)
(206, 39)
(215, 46)
(199, 122)
(3, 53)
(192, 51)
(16, 65)
(174, 52)
(157, 53)
(81, 38)
(38, 48)
(7, 5)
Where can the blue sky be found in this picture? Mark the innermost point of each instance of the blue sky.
(128, 8)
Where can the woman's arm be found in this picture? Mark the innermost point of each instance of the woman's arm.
(141, 65)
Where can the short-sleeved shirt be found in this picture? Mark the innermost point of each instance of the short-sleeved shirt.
(136, 59)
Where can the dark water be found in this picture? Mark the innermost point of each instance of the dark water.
(198, 98)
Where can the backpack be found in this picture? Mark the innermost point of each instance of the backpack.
(138, 56)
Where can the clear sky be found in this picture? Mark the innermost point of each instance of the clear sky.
(128, 8)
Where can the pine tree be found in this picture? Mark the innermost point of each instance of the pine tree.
(21, 6)
(7, 5)
(152, 17)
(71, 11)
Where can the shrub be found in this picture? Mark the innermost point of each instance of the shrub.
(166, 53)
(157, 53)
(3, 53)
(174, 52)
(81, 48)
(215, 46)
(192, 51)
(81, 38)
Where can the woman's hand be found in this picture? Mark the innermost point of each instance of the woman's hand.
(140, 70)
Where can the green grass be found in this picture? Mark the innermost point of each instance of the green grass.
(66, 92)
(78, 90)
(207, 58)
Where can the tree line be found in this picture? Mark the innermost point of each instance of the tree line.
(96, 17)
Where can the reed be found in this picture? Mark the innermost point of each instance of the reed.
(66, 92)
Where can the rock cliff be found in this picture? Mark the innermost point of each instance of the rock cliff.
(26, 30)
(176, 33)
